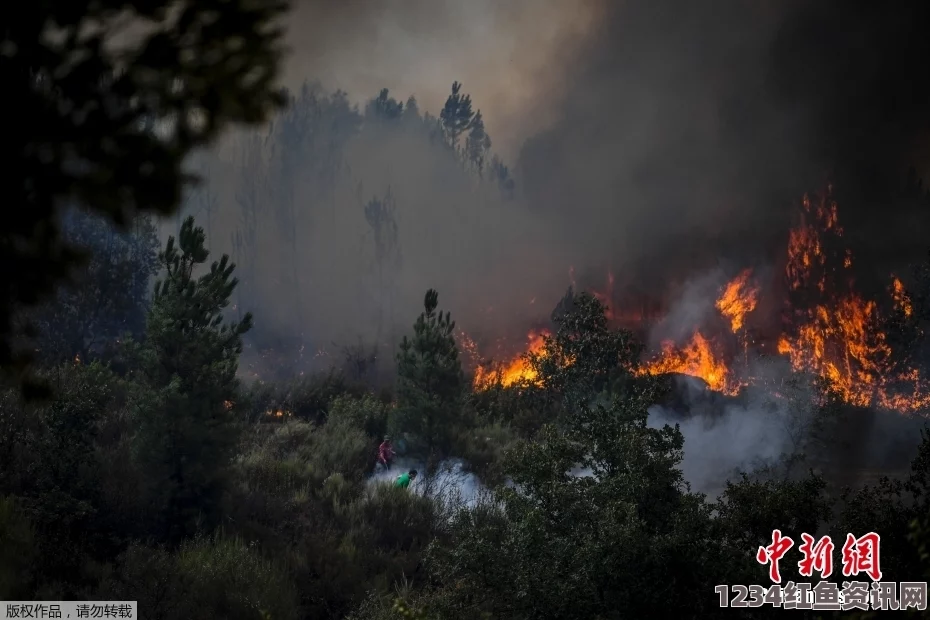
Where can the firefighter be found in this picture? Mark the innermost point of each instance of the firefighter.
(403, 480)
(386, 453)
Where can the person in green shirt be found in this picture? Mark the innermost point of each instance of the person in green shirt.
(403, 480)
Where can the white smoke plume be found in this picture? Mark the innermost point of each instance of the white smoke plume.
(718, 447)
(451, 482)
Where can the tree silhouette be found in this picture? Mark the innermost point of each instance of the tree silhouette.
(105, 121)
(384, 108)
(456, 116)
(477, 144)
(380, 215)
(108, 297)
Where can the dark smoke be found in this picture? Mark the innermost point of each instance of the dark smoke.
(689, 131)
(661, 140)
(690, 128)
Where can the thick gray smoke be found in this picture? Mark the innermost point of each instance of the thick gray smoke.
(740, 438)
(689, 129)
(725, 436)
(650, 137)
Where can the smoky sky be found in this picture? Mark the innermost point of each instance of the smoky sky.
(659, 140)
(659, 127)
(511, 56)
(689, 129)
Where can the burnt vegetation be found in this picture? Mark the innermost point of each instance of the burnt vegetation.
(154, 465)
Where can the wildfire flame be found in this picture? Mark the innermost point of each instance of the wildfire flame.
(901, 300)
(516, 371)
(832, 332)
(696, 359)
(841, 339)
(739, 298)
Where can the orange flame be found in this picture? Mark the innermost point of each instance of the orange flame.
(836, 336)
(901, 300)
(841, 339)
(739, 298)
(696, 359)
(515, 372)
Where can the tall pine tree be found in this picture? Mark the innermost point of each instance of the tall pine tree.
(187, 434)
(430, 381)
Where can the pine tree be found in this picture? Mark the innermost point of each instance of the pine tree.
(430, 380)
(477, 144)
(456, 116)
(187, 435)
(384, 108)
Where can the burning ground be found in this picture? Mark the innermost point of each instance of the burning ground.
(742, 342)
(809, 315)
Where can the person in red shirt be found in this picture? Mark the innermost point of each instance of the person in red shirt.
(386, 453)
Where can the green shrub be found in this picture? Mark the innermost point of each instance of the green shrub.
(222, 579)
(343, 449)
(366, 413)
(395, 519)
(309, 398)
(483, 450)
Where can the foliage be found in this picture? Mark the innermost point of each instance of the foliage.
(60, 509)
(186, 432)
(484, 449)
(890, 507)
(366, 413)
(596, 495)
(174, 485)
(108, 299)
(215, 578)
(155, 97)
(457, 115)
(585, 355)
(430, 380)
(607, 533)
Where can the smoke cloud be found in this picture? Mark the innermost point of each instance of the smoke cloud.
(450, 482)
(738, 438)
(512, 56)
(689, 129)
(657, 140)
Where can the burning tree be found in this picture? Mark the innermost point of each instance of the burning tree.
(864, 352)
(831, 330)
